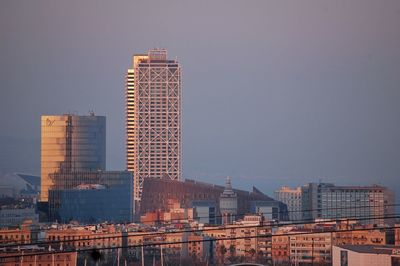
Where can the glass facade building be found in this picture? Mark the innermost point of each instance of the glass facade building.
(70, 143)
(73, 181)
(99, 197)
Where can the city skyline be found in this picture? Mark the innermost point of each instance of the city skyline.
(283, 102)
(199, 132)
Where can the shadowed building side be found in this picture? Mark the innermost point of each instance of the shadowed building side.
(93, 197)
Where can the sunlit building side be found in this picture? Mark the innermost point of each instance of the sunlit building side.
(153, 118)
(70, 143)
(292, 198)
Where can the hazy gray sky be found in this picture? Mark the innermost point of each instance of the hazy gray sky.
(274, 92)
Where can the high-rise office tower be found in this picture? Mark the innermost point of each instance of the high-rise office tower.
(153, 118)
(69, 144)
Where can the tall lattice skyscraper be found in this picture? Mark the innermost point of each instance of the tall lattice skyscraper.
(153, 118)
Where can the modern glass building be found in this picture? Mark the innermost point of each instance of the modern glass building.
(111, 190)
(153, 118)
(106, 196)
(70, 143)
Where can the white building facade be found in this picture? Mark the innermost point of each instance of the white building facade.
(351, 255)
(153, 118)
(292, 198)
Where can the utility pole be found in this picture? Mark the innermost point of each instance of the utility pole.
(162, 260)
(142, 256)
(312, 251)
(331, 247)
(118, 257)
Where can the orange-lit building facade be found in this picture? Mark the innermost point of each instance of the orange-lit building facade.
(15, 236)
(361, 237)
(69, 144)
(153, 118)
(246, 239)
(281, 248)
(175, 214)
(84, 238)
(310, 248)
(306, 244)
(24, 258)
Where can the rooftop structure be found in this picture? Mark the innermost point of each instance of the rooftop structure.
(228, 203)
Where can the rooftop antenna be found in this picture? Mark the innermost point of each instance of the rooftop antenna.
(91, 112)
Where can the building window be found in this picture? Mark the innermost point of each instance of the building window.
(343, 258)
